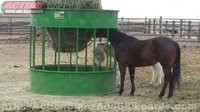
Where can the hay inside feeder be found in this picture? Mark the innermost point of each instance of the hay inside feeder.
(68, 39)
(68, 35)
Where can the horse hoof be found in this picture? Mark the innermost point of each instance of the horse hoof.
(119, 94)
(160, 96)
(149, 85)
(131, 94)
(169, 96)
(158, 84)
(118, 86)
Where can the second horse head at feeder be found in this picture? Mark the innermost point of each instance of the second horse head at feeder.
(100, 54)
(102, 49)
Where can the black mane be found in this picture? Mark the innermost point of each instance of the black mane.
(120, 35)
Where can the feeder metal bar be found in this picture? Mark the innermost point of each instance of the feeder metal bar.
(59, 40)
(94, 46)
(34, 38)
(77, 48)
(43, 48)
(30, 50)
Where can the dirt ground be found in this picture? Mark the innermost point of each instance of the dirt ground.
(15, 97)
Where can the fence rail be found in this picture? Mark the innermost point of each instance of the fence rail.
(14, 24)
(185, 29)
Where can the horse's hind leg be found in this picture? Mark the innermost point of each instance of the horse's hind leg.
(132, 77)
(167, 74)
(157, 74)
(171, 86)
(154, 75)
(160, 73)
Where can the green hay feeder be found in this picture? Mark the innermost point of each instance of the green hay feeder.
(72, 72)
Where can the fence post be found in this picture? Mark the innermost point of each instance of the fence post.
(145, 25)
(189, 29)
(199, 32)
(128, 28)
(149, 26)
(122, 24)
(11, 29)
(9, 25)
(173, 28)
(160, 26)
(181, 28)
(154, 26)
(166, 27)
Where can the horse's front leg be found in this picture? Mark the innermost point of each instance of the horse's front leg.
(122, 69)
(132, 77)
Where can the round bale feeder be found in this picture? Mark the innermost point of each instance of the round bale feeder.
(69, 67)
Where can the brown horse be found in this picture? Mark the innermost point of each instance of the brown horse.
(131, 52)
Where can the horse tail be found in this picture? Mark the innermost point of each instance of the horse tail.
(177, 66)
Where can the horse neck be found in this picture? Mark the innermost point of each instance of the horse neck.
(116, 37)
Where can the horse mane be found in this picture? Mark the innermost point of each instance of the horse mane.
(120, 35)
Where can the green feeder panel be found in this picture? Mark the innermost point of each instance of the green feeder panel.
(67, 82)
(71, 78)
(80, 18)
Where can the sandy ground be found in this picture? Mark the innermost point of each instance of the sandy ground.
(15, 97)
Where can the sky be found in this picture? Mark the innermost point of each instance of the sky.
(153, 8)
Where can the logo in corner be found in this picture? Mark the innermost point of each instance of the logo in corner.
(13, 7)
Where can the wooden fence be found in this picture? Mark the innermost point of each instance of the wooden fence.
(14, 24)
(185, 29)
